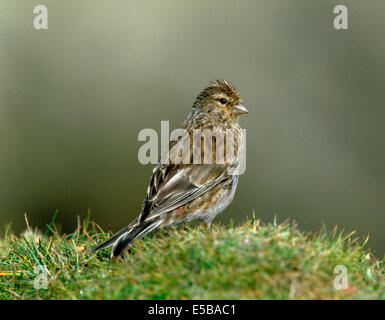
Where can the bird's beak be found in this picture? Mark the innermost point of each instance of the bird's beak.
(239, 109)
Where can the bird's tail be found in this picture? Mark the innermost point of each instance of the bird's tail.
(126, 236)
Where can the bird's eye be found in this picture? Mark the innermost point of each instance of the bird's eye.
(223, 100)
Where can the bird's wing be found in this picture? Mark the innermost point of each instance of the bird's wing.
(172, 186)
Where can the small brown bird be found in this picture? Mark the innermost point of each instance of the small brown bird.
(181, 192)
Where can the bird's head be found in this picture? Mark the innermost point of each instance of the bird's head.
(220, 99)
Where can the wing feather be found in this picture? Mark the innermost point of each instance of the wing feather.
(171, 189)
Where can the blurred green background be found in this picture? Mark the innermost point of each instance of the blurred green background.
(73, 99)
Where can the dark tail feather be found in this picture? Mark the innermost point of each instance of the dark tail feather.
(134, 233)
(109, 241)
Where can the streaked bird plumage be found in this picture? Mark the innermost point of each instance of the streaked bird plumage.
(180, 192)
